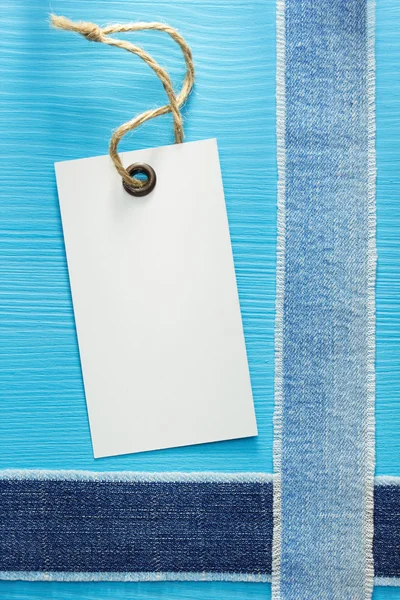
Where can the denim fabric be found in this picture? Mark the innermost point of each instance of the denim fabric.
(325, 394)
(140, 526)
(95, 527)
(387, 530)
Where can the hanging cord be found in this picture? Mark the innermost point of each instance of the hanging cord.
(94, 33)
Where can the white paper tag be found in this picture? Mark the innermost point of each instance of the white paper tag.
(155, 300)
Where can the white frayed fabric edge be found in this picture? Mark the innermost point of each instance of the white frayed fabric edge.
(133, 476)
(137, 576)
(369, 438)
(387, 480)
(168, 476)
(144, 576)
(280, 289)
(387, 581)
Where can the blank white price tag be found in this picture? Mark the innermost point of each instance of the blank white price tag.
(155, 300)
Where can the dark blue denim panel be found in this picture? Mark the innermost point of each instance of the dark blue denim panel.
(387, 531)
(101, 526)
(93, 526)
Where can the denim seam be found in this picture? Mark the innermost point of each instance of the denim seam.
(151, 577)
(387, 581)
(370, 408)
(387, 480)
(132, 476)
(152, 476)
(134, 576)
(280, 285)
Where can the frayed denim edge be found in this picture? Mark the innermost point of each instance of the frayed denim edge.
(372, 258)
(165, 477)
(280, 285)
(387, 480)
(387, 581)
(137, 576)
(132, 476)
(144, 576)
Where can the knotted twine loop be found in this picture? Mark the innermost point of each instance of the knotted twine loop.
(94, 33)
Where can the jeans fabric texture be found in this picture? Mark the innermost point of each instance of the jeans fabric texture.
(325, 339)
(96, 526)
(150, 525)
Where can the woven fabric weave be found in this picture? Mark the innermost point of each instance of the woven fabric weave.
(80, 526)
(325, 336)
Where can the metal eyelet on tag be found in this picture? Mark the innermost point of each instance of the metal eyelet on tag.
(148, 185)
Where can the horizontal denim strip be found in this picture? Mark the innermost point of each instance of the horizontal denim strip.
(66, 525)
(121, 526)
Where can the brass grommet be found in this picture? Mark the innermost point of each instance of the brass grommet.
(148, 186)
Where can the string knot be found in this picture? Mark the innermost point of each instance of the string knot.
(92, 32)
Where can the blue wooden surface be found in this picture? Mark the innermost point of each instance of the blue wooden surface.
(59, 99)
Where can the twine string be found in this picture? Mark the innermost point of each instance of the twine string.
(94, 33)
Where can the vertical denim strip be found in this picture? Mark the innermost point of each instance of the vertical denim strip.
(325, 323)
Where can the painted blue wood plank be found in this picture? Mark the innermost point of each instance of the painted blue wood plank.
(61, 98)
(388, 238)
(136, 591)
(382, 593)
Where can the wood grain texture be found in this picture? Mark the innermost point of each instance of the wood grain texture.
(388, 238)
(62, 97)
(59, 98)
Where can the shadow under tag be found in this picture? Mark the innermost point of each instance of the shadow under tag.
(155, 300)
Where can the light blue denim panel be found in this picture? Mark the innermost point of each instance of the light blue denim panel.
(324, 453)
